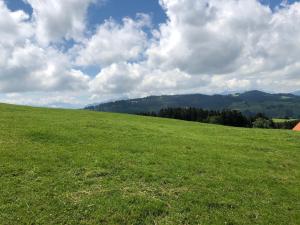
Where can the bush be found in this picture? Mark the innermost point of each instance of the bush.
(262, 123)
(215, 120)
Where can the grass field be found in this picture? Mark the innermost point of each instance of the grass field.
(80, 167)
(276, 120)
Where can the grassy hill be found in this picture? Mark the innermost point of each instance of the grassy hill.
(249, 103)
(81, 167)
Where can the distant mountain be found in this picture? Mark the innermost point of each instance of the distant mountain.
(251, 102)
(296, 93)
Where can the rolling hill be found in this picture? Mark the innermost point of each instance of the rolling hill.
(249, 103)
(82, 167)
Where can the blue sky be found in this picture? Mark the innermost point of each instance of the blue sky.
(274, 3)
(117, 9)
(76, 52)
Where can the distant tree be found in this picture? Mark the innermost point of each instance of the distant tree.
(215, 119)
(262, 123)
(288, 114)
(225, 117)
(260, 115)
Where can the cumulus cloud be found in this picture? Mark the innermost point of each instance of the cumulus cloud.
(114, 43)
(214, 46)
(136, 80)
(206, 46)
(13, 26)
(30, 68)
(26, 66)
(117, 79)
(55, 19)
(209, 36)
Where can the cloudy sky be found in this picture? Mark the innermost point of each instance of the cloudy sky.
(75, 52)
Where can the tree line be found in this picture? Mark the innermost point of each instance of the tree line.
(224, 117)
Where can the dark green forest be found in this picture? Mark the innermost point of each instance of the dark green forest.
(225, 117)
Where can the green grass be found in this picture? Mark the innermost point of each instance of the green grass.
(80, 167)
(277, 120)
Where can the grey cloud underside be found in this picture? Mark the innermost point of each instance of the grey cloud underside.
(205, 46)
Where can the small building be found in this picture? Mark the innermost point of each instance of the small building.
(297, 128)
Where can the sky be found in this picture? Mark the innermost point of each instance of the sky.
(74, 53)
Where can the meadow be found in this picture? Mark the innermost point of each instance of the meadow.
(277, 120)
(79, 167)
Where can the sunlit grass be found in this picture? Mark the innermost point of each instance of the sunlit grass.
(278, 120)
(78, 167)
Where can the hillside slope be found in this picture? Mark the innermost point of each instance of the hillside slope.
(252, 102)
(81, 167)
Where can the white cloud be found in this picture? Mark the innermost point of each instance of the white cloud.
(117, 79)
(205, 46)
(114, 43)
(136, 80)
(13, 27)
(31, 68)
(213, 46)
(209, 36)
(58, 19)
(26, 66)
